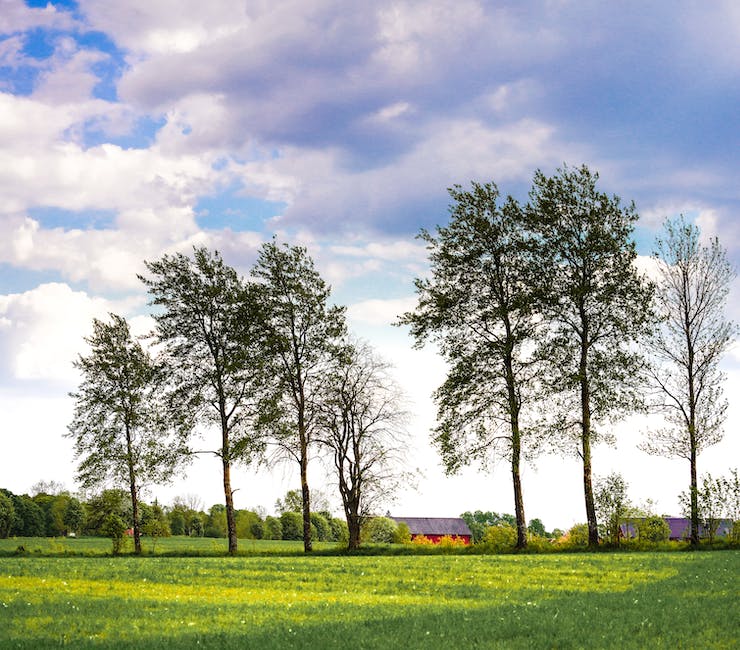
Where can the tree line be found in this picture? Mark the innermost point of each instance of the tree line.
(266, 363)
(550, 332)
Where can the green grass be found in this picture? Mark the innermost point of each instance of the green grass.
(626, 600)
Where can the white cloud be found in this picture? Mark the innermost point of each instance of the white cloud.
(379, 312)
(17, 16)
(42, 332)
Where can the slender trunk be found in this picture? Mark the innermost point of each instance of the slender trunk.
(134, 495)
(521, 522)
(516, 439)
(516, 451)
(588, 491)
(694, 489)
(307, 542)
(229, 496)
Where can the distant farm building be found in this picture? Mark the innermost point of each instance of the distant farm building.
(435, 528)
(680, 528)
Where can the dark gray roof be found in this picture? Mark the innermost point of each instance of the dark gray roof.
(435, 525)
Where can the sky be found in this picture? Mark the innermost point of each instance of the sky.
(132, 128)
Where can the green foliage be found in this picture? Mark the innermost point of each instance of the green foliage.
(596, 307)
(402, 534)
(207, 320)
(291, 525)
(7, 515)
(612, 504)
(215, 524)
(119, 428)
(478, 521)
(177, 522)
(577, 536)
(480, 306)
(273, 528)
(115, 528)
(379, 530)
(322, 527)
(654, 529)
(499, 538)
(246, 524)
(29, 517)
(301, 332)
(536, 528)
(292, 502)
(108, 502)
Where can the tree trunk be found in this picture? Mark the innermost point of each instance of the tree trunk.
(353, 524)
(307, 542)
(521, 521)
(694, 489)
(588, 490)
(134, 495)
(229, 496)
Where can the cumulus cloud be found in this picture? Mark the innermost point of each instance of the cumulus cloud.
(42, 330)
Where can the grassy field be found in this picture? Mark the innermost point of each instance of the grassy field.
(640, 600)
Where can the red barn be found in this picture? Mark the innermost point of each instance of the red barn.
(435, 528)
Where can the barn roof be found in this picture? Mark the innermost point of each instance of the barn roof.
(435, 525)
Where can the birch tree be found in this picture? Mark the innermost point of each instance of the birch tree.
(480, 306)
(301, 334)
(362, 425)
(596, 306)
(694, 282)
(208, 323)
(118, 427)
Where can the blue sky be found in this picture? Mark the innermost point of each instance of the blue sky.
(131, 128)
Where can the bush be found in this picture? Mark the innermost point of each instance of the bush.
(272, 528)
(380, 530)
(115, 528)
(450, 542)
(403, 534)
(654, 529)
(320, 528)
(577, 536)
(499, 538)
(422, 540)
(292, 525)
(339, 530)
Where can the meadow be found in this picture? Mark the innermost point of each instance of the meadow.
(278, 598)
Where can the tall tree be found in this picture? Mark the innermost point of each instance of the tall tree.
(694, 282)
(480, 306)
(208, 326)
(361, 423)
(118, 429)
(596, 306)
(302, 332)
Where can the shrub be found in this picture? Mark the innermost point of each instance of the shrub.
(272, 528)
(450, 542)
(321, 526)
(735, 532)
(422, 540)
(577, 536)
(380, 530)
(115, 528)
(292, 525)
(654, 529)
(499, 538)
(339, 530)
(403, 534)
(538, 544)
